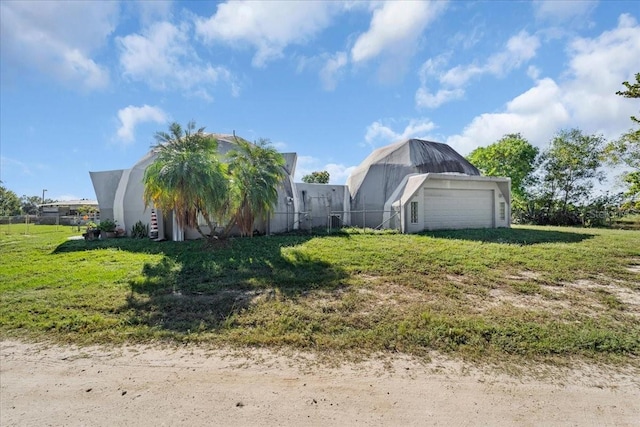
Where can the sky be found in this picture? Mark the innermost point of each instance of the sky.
(85, 85)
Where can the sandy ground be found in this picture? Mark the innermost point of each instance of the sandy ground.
(150, 386)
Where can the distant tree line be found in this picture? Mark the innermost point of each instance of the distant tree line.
(317, 177)
(555, 186)
(11, 204)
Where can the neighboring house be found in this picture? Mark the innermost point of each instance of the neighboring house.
(412, 185)
(69, 208)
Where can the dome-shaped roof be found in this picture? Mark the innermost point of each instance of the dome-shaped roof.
(381, 172)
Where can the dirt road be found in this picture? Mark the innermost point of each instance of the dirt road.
(151, 386)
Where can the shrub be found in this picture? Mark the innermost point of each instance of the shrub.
(139, 230)
(107, 225)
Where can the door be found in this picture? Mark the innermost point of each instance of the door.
(457, 208)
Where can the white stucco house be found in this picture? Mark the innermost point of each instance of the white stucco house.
(120, 196)
(412, 185)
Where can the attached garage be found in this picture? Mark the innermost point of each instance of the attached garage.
(441, 201)
(464, 208)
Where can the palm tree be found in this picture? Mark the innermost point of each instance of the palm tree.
(187, 176)
(256, 171)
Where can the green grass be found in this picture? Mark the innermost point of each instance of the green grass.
(533, 292)
(628, 222)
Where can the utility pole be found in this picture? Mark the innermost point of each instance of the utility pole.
(41, 210)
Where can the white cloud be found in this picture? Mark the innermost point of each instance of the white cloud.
(163, 58)
(429, 100)
(379, 134)
(597, 69)
(151, 11)
(536, 114)
(429, 70)
(519, 49)
(338, 173)
(459, 75)
(131, 116)
(332, 69)
(585, 98)
(57, 39)
(395, 25)
(533, 72)
(269, 27)
(562, 11)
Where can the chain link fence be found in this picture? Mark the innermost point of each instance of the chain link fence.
(331, 220)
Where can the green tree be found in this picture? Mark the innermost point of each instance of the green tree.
(568, 170)
(187, 177)
(9, 202)
(511, 156)
(256, 172)
(626, 149)
(30, 204)
(633, 180)
(87, 210)
(317, 177)
(633, 91)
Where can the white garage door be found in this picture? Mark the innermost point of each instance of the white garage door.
(448, 209)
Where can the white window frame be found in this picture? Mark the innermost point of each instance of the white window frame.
(413, 212)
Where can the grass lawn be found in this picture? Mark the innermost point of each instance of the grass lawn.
(542, 293)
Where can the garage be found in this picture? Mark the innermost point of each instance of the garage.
(458, 208)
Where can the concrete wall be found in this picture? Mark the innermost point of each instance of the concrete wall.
(368, 203)
(316, 202)
(105, 185)
(129, 201)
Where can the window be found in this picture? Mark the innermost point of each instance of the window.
(414, 212)
(503, 211)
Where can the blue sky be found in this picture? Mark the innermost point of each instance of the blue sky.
(85, 85)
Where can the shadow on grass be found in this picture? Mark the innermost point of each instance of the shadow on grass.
(514, 236)
(196, 287)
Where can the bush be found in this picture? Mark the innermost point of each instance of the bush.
(139, 230)
(107, 225)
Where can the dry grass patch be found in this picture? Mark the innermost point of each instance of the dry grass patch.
(634, 266)
(524, 301)
(607, 296)
(487, 295)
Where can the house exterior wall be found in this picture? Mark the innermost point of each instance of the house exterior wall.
(105, 185)
(130, 198)
(368, 202)
(488, 188)
(281, 218)
(316, 202)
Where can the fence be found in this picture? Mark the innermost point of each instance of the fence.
(330, 220)
(43, 220)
